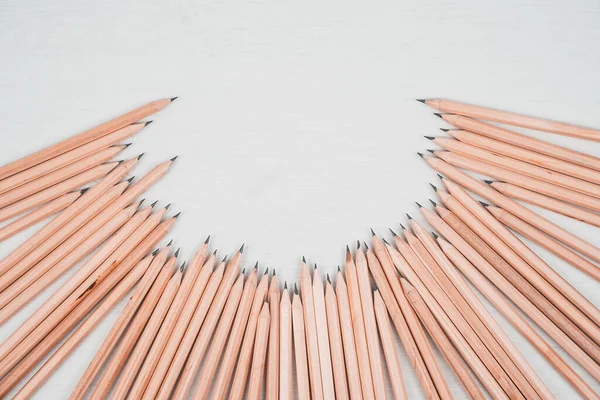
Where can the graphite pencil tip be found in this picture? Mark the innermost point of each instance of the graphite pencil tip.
(174, 98)
(429, 137)
(433, 187)
(170, 243)
(366, 247)
(417, 203)
(304, 259)
(148, 122)
(328, 280)
(420, 154)
(421, 100)
(153, 204)
(402, 226)
(130, 179)
(393, 233)
(266, 271)
(243, 271)
(347, 249)
(372, 232)
(285, 285)
(241, 250)
(440, 176)
(155, 252)
(167, 206)
(127, 144)
(274, 272)
(358, 244)
(444, 129)
(438, 114)
(488, 182)
(339, 270)
(215, 252)
(295, 289)
(483, 203)
(385, 241)
(177, 215)
(435, 235)
(207, 240)
(433, 202)
(224, 258)
(177, 252)
(82, 191)
(141, 155)
(142, 202)
(315, 267)
(182, 266)
(174, 158)
(256, 265)
(431, 151)
(408, 216)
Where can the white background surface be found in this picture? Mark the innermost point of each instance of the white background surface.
(296, 126)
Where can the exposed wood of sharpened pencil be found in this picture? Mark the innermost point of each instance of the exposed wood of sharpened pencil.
(300, 355)
(83, 138)
(474, 251)
(231, 287)
(225, 326)
(112, 298)
(509, 312)
(553, 246)
(546, 202)
(120, 324)
(515, 244)
(389, 347)
(60, 175)
(479, 326)
(129, 371)
(323, 335)
(312, 344)
(489, 323)
(366, 300)
(482, 362)
(272, 372)
(523, 141)
(38, 215)
(347, 331)
(183, 320)
(181, 299)
(511, 118)
(335, 343)
(286, 348)
(259, 354)
(358, 324)
(240, 377)
(407, 325)
(529, 156)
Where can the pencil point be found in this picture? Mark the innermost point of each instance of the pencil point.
(402, 226)
(285, 285)
(420, 154)
(141, 155)
(435, 235)
(153, 204)
(167, 206)
(174, 98)
(174, 158)
(315, 267)
(241, 250)
(444, 129)
(82, 191)
(431, 151)
(127, 145)
(224, 258)
(409, 217)
(433, 202)
(243, 271)
(215, 252)
(274, 272)
(177, 252)
(489, 182)
(421, 100)
(339, 270)
(141, 202)
(130, 179)
(303, 259)
(177, 215)
(266, 271)
(256, 265)
(170, 243)
(385, 241)
(347, 249)
(393, 233)
(438, 114)
(433, 186)
(148, 123)
(207, 240)
(429, 137)
(483, 203)
(295, 289)
(372, 232)
(440, 176)
(358, 244)
(182, 266)
(420, 206)
(155, 252)
(328, 280)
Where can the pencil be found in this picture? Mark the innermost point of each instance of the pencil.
(523, 141)
(531, 157)
(40, 214)
(389, 347)
(272, 372)
(84, 329)
(121, 354)
(479, 253)
(70, 157)
(312, 341)
(300, 355)
(358, 323)
(351, 359)
(515, 244)
(512, 358)
(129, 371)
(286, 348)
(230, 288)
(335, 342)
(511, 118)
(184, 317)
(120, 325)
(220, 337)
(181, 298)
(83, 138)
(536, 199)
(509, 312)
(322, 335)
(55, 177)
(238, 385)
(259, 354)
(553, 246)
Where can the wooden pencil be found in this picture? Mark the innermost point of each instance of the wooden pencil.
(322, 335)
(312, 341)
(358, 323)
(511, 118)
(59, 175)
(366, 300)
(121, 324)
(389, 347)
(536, 199)
(70, 157)
(231, 287)
(407, 324)
(259, 354)
(212, 358)
(524, 141)
(66, 348)
(181, 298)
(515, 244)
(272, 371)
(286, 349)
(350, 356)
(83, 138)
(300, 354)
(130, 369)
(39, 214)
(514, 359)
(335, 342)
(509, 312)
(532, 157)
(239, 382)
(183, 320)
(553, 246)
(478, 253)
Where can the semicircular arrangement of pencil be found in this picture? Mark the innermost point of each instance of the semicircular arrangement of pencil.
(211, 328)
